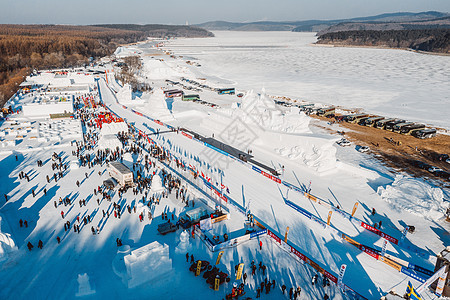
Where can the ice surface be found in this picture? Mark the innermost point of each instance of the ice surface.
(392, 83)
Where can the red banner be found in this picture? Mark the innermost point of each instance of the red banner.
(330, 276)
(380, 233)
(186, 135)
(272, 235)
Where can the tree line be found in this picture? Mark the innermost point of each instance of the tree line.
(27, 47)
(430, 40)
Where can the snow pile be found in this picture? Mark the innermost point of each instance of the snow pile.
(7, 244)
(417, 197)
(109, 141)
(157, 106)
(261, 110)
(148, 263)
(84, 287)
(114, 128)
(184, 245)
(125, 96)
(155, 70)
(124, 52)
(157, 186)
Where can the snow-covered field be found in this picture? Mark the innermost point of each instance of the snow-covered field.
(392, 83)
(149, 265)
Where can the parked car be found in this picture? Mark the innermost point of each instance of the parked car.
(433, 169)
(165, 228)
(343, 142)
(363, 149)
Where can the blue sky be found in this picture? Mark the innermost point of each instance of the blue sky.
(198, 11)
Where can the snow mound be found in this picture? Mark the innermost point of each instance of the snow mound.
(114, 128)
(109, 141)
(155, 69)
(156, 106)
(124, 52)
(7, 245)
(125, 96)
(148, 263)
(157, 186)
(417, 197)
(260, 109)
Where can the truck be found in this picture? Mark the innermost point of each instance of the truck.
(407, 130)
(121, 173)
(193, 216)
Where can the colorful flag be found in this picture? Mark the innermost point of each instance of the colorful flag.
(411, 292)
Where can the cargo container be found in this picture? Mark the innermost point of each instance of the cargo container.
(120, 173)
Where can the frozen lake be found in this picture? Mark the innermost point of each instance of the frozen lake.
(393, 83)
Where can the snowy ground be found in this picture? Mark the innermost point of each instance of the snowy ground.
(277, 136)
(392, 83)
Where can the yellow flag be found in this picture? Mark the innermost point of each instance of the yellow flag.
(216, 284)
(239, 271)
(329, 217)
(219, 257)
(354, 208)
(199, 268)
(286, 234)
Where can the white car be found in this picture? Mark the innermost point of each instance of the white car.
(363, 149)
(343, 142)
(433, 169)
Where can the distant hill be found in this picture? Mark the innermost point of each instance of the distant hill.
(318, 25)
(429, 40)
(439, 23)
(159, 30)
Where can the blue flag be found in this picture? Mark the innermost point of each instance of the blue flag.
(413, 295)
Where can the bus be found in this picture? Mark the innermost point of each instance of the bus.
(370, 122)
(398, 127)
(355, 118)
(173, 93)
(390, 125)
(304, 107)
(326, 111)
(229, 91)
(411, 128)
(382, 123)
(424, 133)
(194, 97)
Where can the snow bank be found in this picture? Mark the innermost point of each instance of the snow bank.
(148, 263)
(158, 70)
(157, 186)
(114, 128)
(108, 141)
(417, 197)
(124, 52)
(7, 244)
(260, 109)
(125, 96)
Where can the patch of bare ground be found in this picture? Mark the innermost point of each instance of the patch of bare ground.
(401, 152)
